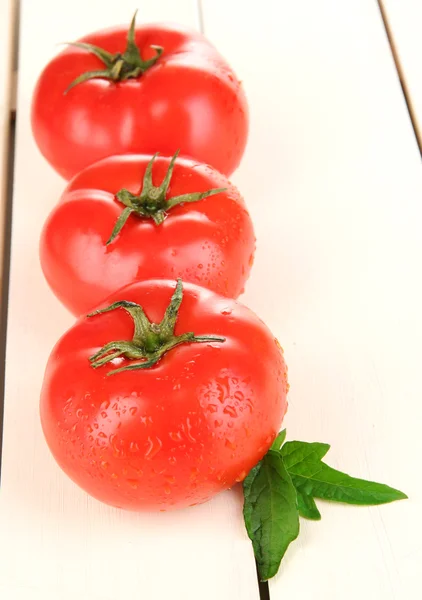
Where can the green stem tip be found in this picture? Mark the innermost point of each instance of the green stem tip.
(152, 203)
(119, 66)
(150, 341)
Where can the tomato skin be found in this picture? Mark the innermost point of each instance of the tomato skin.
(209, 242)
(190, 99)
(180, 432)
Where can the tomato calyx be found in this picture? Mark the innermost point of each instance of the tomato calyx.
(150, 340)
(118, 67)
(151, 203)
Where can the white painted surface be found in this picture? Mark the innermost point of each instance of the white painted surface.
(333, 179)
(6, 35)
(56, 543)
(405, 22)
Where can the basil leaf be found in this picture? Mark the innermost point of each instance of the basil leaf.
(307, 507)
(270, 512)
(278, 442)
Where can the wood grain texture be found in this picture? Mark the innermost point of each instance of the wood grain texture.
(333, 178)
(7, 12)
(56, 543)
(404, 20)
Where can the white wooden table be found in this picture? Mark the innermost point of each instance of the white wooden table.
(333, 179)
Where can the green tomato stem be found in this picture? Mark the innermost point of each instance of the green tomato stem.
(152, 202)
(150, 341)
(119, 66)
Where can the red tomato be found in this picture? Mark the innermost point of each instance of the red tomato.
(142, 100)
(209, 242)
(176, 433)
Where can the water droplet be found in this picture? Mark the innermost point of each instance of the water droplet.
(134, 447)
(170, 479)
(133, 483)
(226, 311)
(167, 489)
(200, 266)
(194, 474)
(176, 436)
(188, 431)
(277, 343)
(79, 412)
(239, 396)
(230, 410)
(230, 444)
(104, 464)
(102, 434)
(104, 414)
(114, 476)
(212, 408)
(218, 422)
(154, 445)
(133, 410)
(104, 405)
(241, 476)
(172, 460)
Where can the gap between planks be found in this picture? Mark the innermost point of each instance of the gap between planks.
(6, 179)
(401, 74)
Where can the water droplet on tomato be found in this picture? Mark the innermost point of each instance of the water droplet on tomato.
(134, 447)
(226, 311)
(133, 410)
(212, 408)
(154, 445)
(277, 343)
(230, 410)
(133, 483)
(241, 476)
(230, 444)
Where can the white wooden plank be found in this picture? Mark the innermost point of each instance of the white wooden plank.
(56, 543)
(333, 180)
(6, 42)
(404, 20)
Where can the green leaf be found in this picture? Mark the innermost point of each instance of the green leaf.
(314, 478)
(321, 481)
(270, 512)
(307, 507)
(298, 452)
(278, 442)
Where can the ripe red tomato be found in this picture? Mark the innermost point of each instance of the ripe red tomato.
(169, 89)
(178, 432)
(209, 242)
